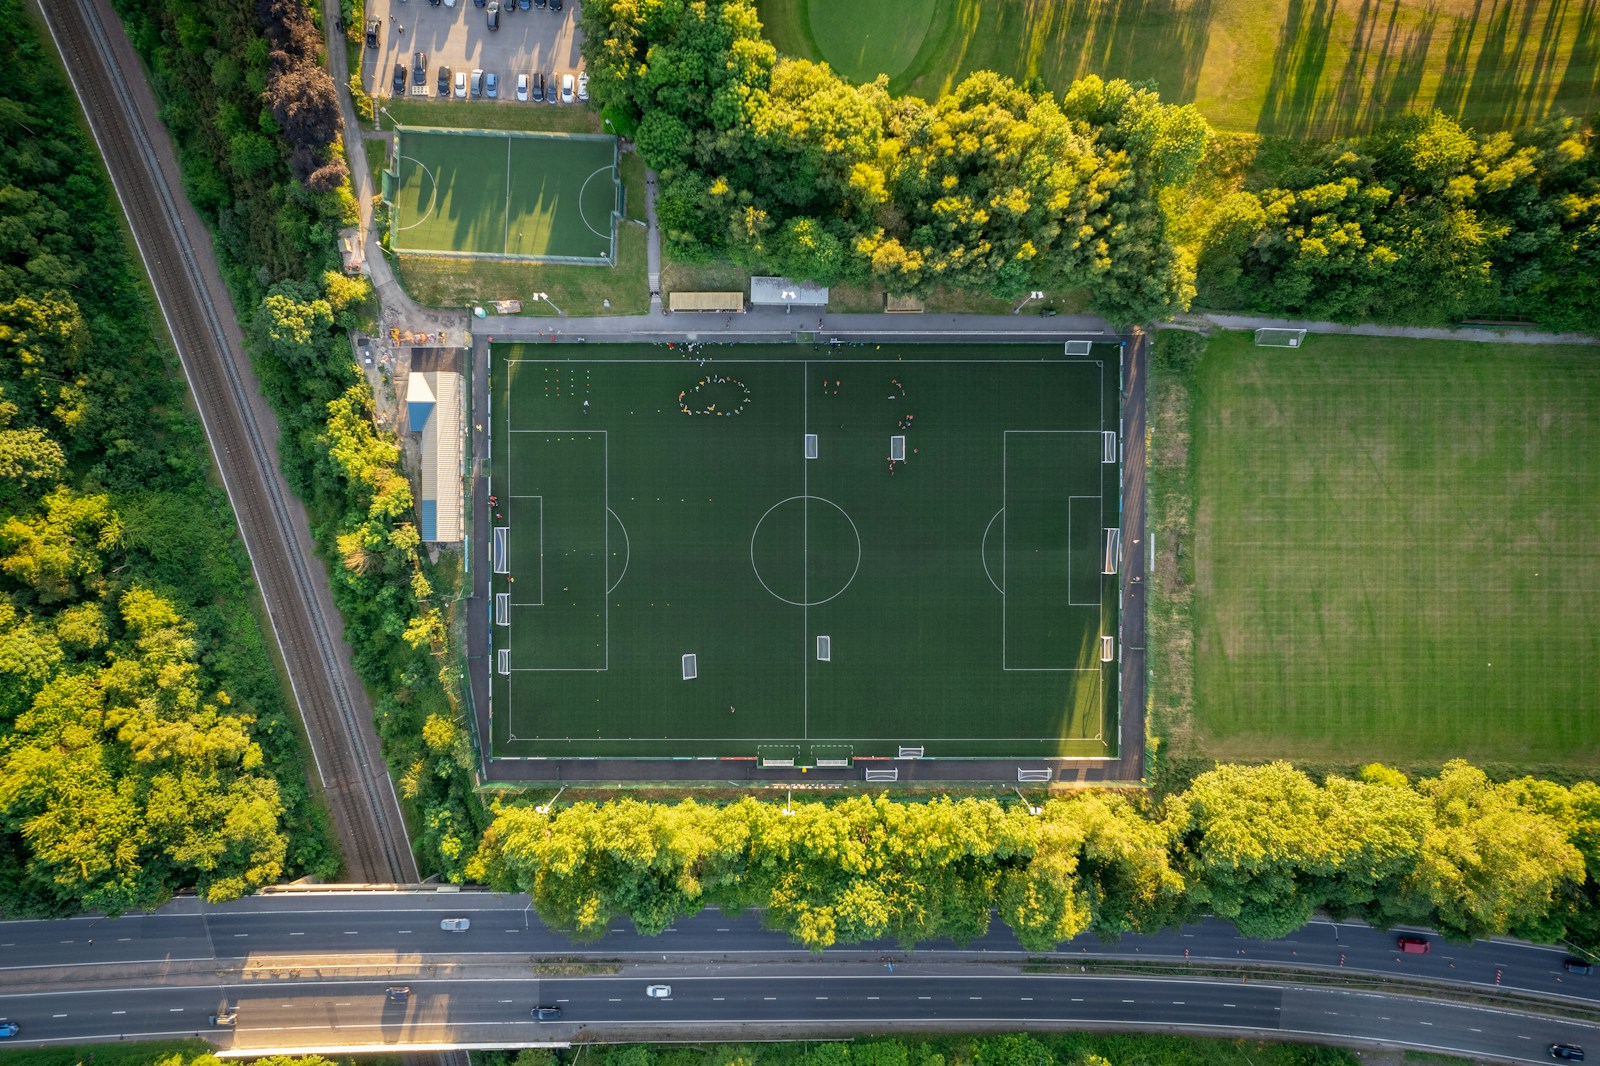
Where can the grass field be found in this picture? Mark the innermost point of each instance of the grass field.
(1397, 552)
(577, 289)
(660, 504)
(506, 195)
(1296, 67)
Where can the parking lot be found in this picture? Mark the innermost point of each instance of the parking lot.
(536, 41)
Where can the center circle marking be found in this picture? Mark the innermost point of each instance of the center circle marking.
(797, 505)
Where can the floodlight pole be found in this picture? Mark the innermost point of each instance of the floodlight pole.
(546, 808)
(1035, 295)
(546, 298)
(1031, 808)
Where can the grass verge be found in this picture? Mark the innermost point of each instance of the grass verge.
(439, 281)
(483, 115)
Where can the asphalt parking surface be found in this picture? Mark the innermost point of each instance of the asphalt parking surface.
(527, 42)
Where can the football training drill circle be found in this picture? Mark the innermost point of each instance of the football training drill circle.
(501, 195)
(804, 554)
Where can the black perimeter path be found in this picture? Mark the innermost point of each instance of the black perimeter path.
(1129, 766)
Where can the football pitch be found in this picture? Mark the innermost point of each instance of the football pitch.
(1397, 548)
(712, 553)
(505, 195)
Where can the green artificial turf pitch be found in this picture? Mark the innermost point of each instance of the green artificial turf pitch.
(639, 533)
(506, 194)
(1397, 551)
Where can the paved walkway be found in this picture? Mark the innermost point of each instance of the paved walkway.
(1481, 334)
(772, 324)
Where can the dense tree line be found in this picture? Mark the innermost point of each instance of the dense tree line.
(1420, 220)
(250, 151)
(144, 743)
(1263, 846)
(996, 187)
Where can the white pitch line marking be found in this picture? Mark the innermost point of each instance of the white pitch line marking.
(58, 1015)
(297, 934)
(119, 1012)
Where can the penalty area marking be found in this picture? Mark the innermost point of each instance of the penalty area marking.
(433, 193)
(584, 214)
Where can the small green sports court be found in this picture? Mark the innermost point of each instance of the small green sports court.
(804, 555)
(506, 195)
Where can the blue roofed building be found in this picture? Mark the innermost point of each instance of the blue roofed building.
(433, 412)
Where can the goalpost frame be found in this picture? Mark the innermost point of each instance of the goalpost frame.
(1277, 337)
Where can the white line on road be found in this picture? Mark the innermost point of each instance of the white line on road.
(924, 997)
(405, 932)
(174, 1010)
(718, 999)
(1077, 999)
(58, 1015)
(297, 934)
(769, 998)
(119, 1012)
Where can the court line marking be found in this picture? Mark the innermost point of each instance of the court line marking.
(584, 215)
(433, 198)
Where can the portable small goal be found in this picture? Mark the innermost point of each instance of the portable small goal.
(824, 649)
(691, 667)
(1078, 347)
(1280, 338)
(897, 449)
(811, 445)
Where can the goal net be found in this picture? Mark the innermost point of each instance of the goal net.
(1280, 338)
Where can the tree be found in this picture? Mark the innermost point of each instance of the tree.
(57, 553)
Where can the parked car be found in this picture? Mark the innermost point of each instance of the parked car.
(536, 89)
(373, 25)
(1412, 945)
(477, 90)
(397, 993)
(461, 85)
(419, 68)
(583, 85)
(494, 14)
(547, 1014)
(1577, 966)
(522, 88)
(658, 991)
(399, 79)
(8, 1030)
(491, 85)
(551, 87)
(568, 94)
(524, 4)
(459, 925)
(538, 3)
(555, 5)
(444, 81)
(1568, 1052)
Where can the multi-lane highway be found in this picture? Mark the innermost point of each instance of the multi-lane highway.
(309, 972)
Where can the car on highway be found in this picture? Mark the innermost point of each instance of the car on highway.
(567, 92)
(658, 991)
(419, 68)
(1577, 966)
(397, 993)
(399, 79)
(8, 1029)
(1566, 1052)
(1412, 945)
(460, 925)
(491, 85)
(461, 85)
(547, 1014)
(225, 1016)
(583, 85)
(444, 81)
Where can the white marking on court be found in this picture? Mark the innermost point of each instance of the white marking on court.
(627, 542)
(757, 570)
(433, 196)
(983, 550)
(585, 215)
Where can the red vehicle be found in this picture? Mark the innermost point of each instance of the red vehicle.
(1412, 945)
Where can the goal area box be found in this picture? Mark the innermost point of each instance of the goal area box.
(672, 577)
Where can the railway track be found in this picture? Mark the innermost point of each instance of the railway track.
(242, 433)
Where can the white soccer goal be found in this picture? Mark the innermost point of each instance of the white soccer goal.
(1108, 446)
(502, 608)
(1025, 774)
(897, 449)
(1280, 338)
(691, 667)
(909, 752)
(1113, 551)
(502, 538)
(811, 445)
(1078, 347)
(503, 660)
(1108, 648)
(824, 649)
(891, 773)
